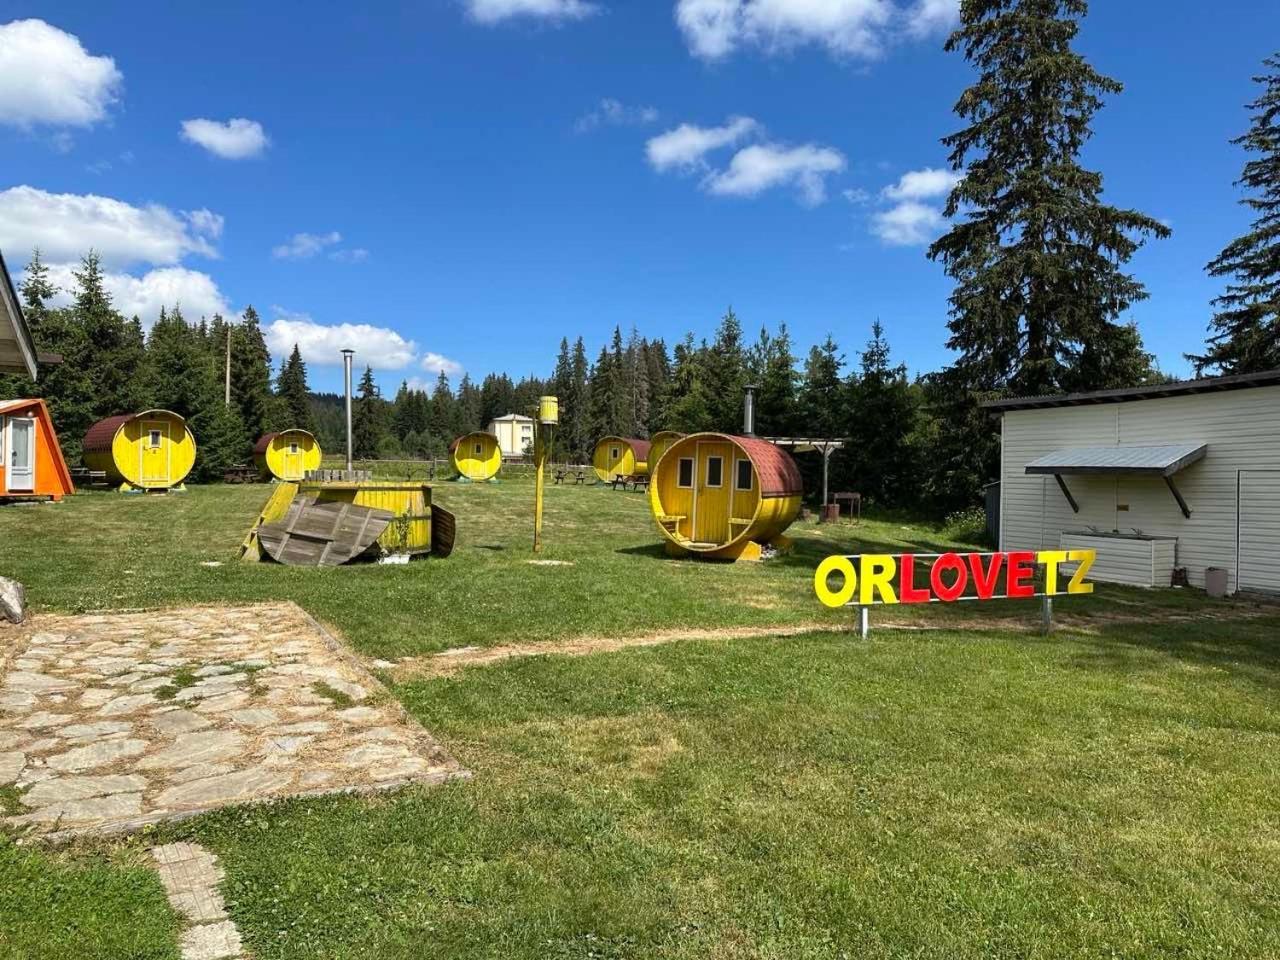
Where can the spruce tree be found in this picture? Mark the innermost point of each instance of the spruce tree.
(369, 421)
(725, 370)
(822, 396)
(470, 406)
(294, 397)
(1245, 331)
(574, 406)
(443, 417)
(881, 429)
(604, 400)
(773, 367)
(1037, 256)
(115, 346)
(251, 375)
(689, 409)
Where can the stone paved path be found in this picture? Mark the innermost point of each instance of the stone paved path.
(191, 875)
(112, 721)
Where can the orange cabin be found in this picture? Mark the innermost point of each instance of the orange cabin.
(31, 462)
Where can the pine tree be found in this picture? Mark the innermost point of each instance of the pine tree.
(470, 406)
(725, 375)
(658, 367)
(1037, 257)
(689, 409)
(574, 411)
(294, 397)
(369, 427)
(822, 396)
(637, 381)
(604, 401)
(443, 416)
(1245, 331)
(882, 427)
(773, 367)
(251, 375)
(116, 348)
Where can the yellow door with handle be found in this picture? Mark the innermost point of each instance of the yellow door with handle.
(712, 492)
(154, 452)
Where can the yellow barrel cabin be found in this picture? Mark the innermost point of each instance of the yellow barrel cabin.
(616, 457)
(476, 456)
(723, 496)
(152, 450)
(286, 455)
(658, 445)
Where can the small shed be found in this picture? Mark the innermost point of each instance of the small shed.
(615, 457)
(31, 463)
(724, 496)
(658, 444)
(1176, 476)
(151, 450)
(476, 456)
(286, 455)
(515, 434)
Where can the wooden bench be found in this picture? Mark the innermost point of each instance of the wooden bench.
(240, 473)
(84, 477)
(579, 475)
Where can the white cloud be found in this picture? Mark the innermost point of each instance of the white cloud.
(233, 140)
(47, 77)
(496, 11)
(378, 347)
(922, 184)
(856, 195)
(195, 292)
(685, 147)
(932, 16)
(908, 224)
(714, 29)
(615, 113)
(303, 246)
(352, 255)
(763, 166)
(66, 225)
(437, 363)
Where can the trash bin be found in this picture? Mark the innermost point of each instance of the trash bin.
(830, 513)
(1215, 581)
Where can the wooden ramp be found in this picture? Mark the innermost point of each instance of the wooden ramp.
(322, 533)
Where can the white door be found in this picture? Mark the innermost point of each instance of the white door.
(22, 455)
(1259, 531)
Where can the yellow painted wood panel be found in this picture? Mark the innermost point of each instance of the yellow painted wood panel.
(711, 505)
(612, 458)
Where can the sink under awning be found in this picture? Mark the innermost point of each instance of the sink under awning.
(1163, 460)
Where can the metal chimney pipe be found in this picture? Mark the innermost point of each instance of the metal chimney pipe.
(749, 409)
(346, 373)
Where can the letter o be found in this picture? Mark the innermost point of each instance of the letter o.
(940, 589)
(835, 598)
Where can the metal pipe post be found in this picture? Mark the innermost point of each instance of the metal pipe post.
(346, 373)
(749, 410)
(864, 622)
(1046, 614)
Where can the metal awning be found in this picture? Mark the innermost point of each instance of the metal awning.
(1163, 461)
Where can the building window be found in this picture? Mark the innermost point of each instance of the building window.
(744, 475)
(478, 449)
(684, 476)
(526, 429)
(615, 453)
(715, 471)
(293, 448)
(153, 439)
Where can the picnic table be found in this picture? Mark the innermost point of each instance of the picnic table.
(240, 473)
(84, 477)
(854, 501)
(636, 481)
(579, 475)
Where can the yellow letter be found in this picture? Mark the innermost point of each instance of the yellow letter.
(835, 598)
(1085, 558)
(878, 571)
(1051, 559)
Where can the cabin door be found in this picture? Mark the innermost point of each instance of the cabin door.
(713, 492)
(293, 460)
(154, 455)
(22, 455)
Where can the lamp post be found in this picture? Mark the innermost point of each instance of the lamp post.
(346, 374)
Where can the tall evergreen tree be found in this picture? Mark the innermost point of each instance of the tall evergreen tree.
(605, 400)
(882, 427)
(251, 375)
(291, 389)
(1245, 331)
(470, 406)
(116, 349)
(574, 410)
(773, 367)
(1037, 257)
(637, 382)
(369, 420)
(444, 419)
(689, 409)
(822, 396)
(725, 369)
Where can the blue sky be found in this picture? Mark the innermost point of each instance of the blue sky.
(470, 180)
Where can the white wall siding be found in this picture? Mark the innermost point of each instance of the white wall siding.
(1241, 427)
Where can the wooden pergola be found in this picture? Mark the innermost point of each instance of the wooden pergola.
(823, 445)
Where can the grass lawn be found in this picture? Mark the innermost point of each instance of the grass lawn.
(1110, 791)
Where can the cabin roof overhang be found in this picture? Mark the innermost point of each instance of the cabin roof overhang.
(1178, 388)
(17, 350)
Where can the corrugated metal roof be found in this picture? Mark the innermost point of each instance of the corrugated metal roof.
(1241, 381)
(1163, 460)
(264, 441)
(103, 433)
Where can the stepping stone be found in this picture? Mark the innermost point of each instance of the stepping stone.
(227, 788)
(196, 773)
(211, 941)
(96, 755)
(306, 726)
(7, 740)
(195, 749)
(41, 720)
(96, 697)
(228, 701)
(284, 745)
(23, 682)
(11, 765)
(174, 722)
(76, 813)
(255, 717)
(17, 702)
(125, 705)
(361, 715)
(94, 731)
(63, 789)
(213, 670)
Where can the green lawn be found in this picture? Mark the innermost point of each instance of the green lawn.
(1110, 791)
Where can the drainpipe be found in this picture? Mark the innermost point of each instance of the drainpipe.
(749, 409)
(346, 373)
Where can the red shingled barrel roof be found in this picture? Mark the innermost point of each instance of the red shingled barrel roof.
(264, 441)
(779, 475)
(101, 435)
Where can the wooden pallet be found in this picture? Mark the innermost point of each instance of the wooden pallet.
(322, 533)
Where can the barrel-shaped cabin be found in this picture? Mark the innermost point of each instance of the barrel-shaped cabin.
(723, 496)
(151, 450)
(476, 456)
(615, 457)
(658, 444)
(286, 455)
(31, 462)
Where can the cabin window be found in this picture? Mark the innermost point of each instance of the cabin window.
(744, 475)
(526, 429)
(293, 447)
(153, 439)
(478, 449)
(684, 475)
(615, 453)
(715, 471)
